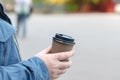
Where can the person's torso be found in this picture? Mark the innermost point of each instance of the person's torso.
(9, 53)
(22, 6)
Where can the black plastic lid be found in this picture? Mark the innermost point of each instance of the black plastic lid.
(65, 39)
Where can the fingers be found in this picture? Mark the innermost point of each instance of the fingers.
(59, 72)
(65, 65)
(64, 55)
(60, 69)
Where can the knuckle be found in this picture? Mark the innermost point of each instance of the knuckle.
(68, 65)
(66, 55)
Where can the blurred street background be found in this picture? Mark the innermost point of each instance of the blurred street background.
(95, 25)
(68, 6)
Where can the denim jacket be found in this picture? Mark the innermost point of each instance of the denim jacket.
(11, 67)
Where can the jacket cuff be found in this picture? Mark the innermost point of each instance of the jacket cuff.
(38, 67)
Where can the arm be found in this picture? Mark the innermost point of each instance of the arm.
(42, 67)
(32, 69)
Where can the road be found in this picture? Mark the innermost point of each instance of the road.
(97, 38)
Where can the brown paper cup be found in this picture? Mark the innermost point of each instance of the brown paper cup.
(60, 47)
(62, 43)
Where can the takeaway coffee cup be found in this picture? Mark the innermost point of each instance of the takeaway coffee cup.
(62, 43)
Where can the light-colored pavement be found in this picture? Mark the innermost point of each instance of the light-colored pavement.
(97, 43)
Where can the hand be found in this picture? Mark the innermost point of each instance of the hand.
(55, 62)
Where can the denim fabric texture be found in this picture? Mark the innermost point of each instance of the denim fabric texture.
(11, 66)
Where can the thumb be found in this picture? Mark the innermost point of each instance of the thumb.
(47, 50)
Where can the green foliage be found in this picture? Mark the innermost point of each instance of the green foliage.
(77, 5)
(71, 6)
(37, 1)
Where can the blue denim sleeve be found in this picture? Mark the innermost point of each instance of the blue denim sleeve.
(31, 69)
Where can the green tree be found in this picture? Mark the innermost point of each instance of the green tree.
(37, 1)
